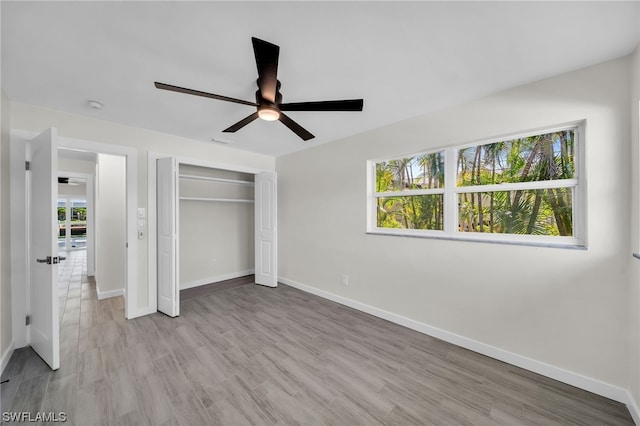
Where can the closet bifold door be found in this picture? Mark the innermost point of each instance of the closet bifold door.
(266, 235)
(167, 217)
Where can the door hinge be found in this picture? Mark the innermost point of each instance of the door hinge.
(27, 320)
(27, 165)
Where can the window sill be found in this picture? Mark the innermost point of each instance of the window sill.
(437, 236)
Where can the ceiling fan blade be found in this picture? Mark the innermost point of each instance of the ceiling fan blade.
(240, 124)
(295, 127)
(343, 105)
(267, 63)
(171, 88)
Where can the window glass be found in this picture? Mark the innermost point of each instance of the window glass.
(425, 171)
(540, 157)
(533, 212)
(413, 212)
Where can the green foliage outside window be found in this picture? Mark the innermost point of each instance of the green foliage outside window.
(531, 211)
(550, 156)
(411, 212)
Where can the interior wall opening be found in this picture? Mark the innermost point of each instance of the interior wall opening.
(216, 225)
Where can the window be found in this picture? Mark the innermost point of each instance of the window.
(72, 224)
(522, 189)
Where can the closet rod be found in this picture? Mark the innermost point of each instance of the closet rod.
(215, 179)
(218, 200)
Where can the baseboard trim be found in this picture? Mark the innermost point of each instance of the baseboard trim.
(107, 294)
(633, 408)
(6, 356)
(575, 379)
(215, 279)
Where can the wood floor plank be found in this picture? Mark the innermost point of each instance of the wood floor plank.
(189, 410)
(241, 354)
(171, 376)
(153, 402)
(92, 406)
(248, 405)
(226, 412)
(30, 394)
(90, 367)
(8, 391)
(61, 393)
(285, 407)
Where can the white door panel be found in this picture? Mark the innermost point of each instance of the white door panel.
(43, 248)
(266, 249)
(167, 217)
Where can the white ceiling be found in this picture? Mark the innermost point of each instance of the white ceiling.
(404, 58)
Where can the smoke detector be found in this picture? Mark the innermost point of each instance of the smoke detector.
(95, 105)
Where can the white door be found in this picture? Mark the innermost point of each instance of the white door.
(266, 250)
(43, 248)
(167, 216)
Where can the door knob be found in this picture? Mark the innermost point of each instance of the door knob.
(47, 260)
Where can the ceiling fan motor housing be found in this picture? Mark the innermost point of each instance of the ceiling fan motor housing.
(267, 110)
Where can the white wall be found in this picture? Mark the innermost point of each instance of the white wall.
(634, 268)
(35, 119)
(216, 238)
(111, 225)
(566, 308)
(75, 165)
(6, 335)
(78, 191)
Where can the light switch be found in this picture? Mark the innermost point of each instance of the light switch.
(141, 224)
(141, 213)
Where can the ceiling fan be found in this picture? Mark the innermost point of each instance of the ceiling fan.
(268, 97)
(71, 181)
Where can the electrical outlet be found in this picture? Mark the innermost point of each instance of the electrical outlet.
(345, 279)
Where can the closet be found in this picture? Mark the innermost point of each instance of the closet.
(216, 223)
(213, 224)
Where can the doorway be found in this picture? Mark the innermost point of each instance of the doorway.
(91, 234)
(22, 231)
(119, 164)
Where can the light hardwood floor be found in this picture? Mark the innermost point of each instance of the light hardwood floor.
(259, 356)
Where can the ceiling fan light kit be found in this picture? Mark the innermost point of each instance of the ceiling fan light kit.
(269, 106)
(268, 112)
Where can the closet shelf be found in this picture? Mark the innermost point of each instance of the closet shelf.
(217, 200)
(215, 179)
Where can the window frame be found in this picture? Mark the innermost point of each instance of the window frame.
(451, 193)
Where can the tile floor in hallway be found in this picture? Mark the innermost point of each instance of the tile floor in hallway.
(250, 355)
